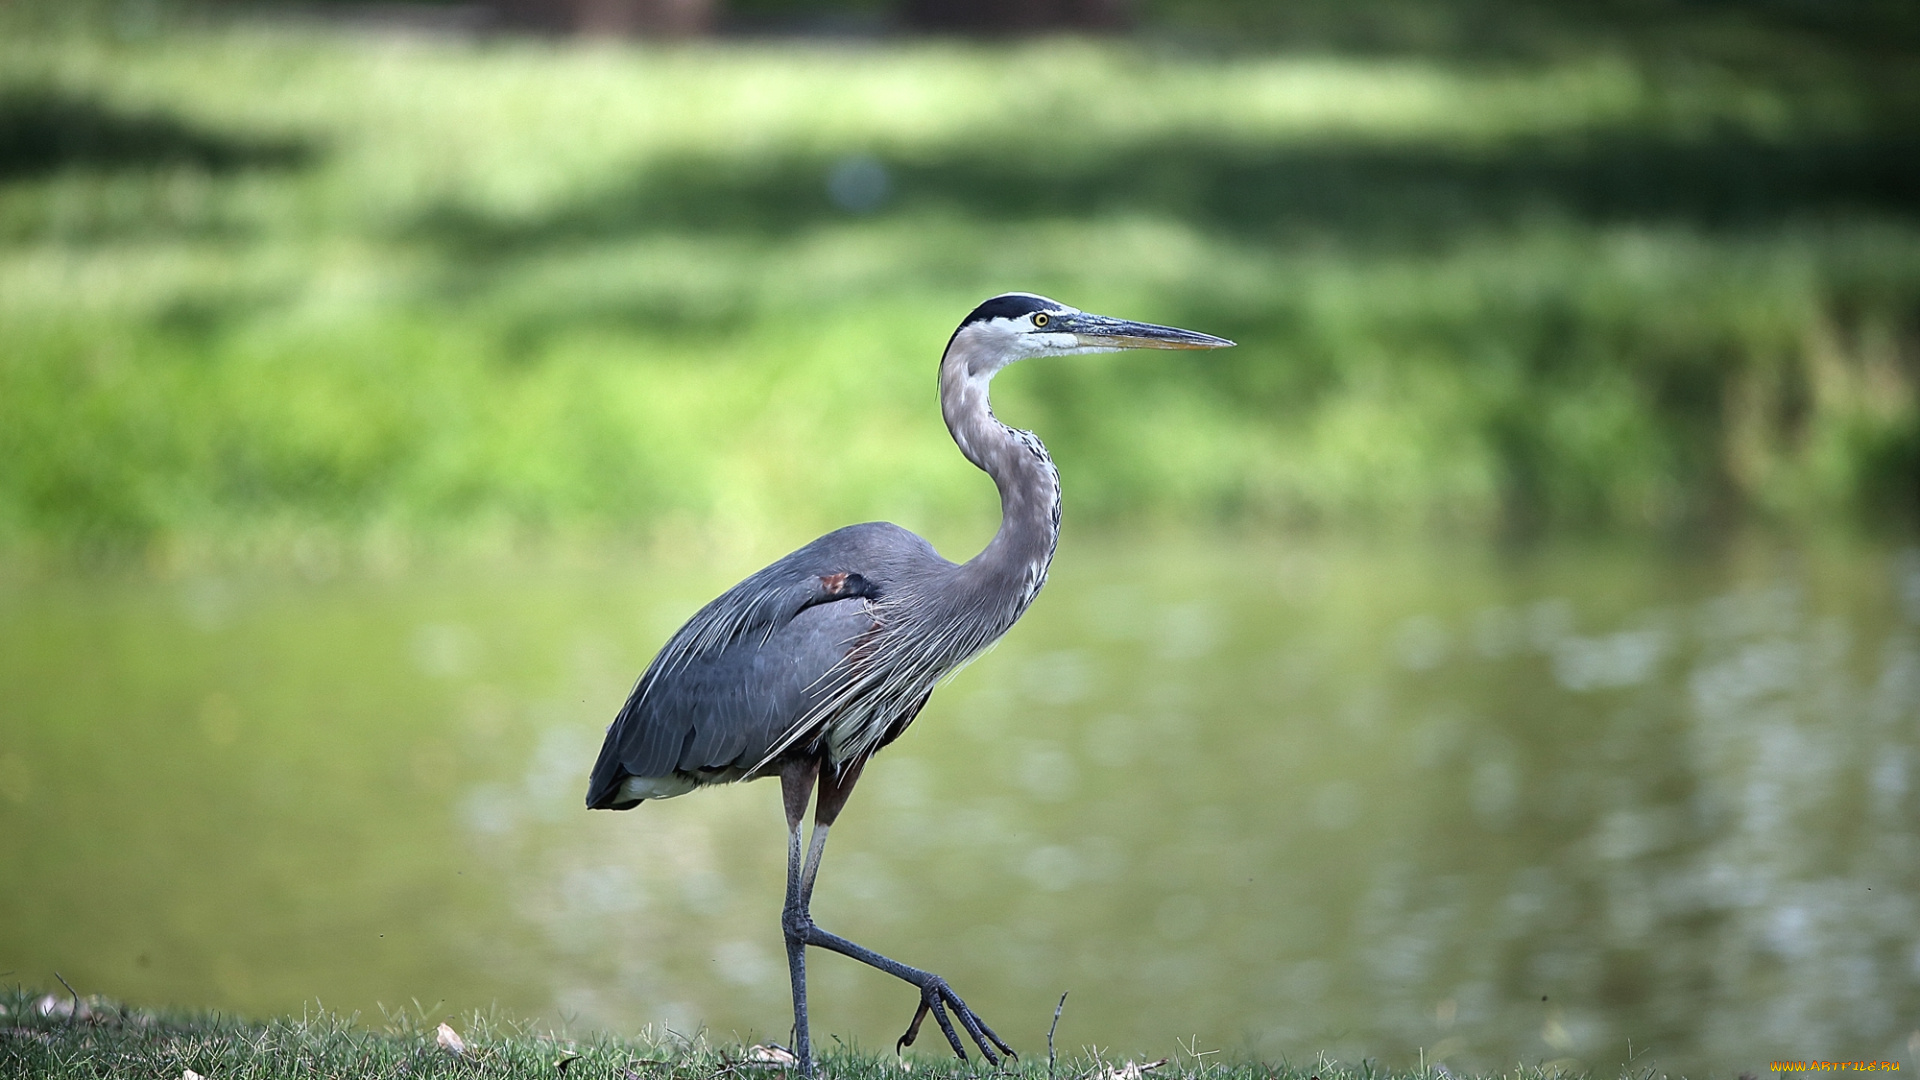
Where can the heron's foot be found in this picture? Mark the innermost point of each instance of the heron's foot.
(937, 997)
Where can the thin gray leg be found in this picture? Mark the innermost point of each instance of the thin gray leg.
(797, 954)
(936, 996)
(796, 784)
(811, 870)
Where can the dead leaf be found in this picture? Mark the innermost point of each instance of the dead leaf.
(61, 1005)
(773, 1055)
(450, 1040)
(189, 1074)
(1130, 1071)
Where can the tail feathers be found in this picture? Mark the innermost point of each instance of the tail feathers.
(609, 798)
(604, 790)
(621, 790)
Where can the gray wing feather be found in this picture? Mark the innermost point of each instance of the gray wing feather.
(732, 682)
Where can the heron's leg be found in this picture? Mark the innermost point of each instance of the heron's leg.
(796, 784)
(811, 870)
(935, 995)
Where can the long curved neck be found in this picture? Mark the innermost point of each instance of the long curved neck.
(1014, 564)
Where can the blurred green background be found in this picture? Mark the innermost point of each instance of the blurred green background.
(1511, 651)
(272, 281)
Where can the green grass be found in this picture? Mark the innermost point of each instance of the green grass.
(263, 287)
(113, 1040)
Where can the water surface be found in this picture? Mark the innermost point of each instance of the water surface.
(1281, 798)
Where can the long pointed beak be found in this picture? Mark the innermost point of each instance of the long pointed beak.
(1099, 331)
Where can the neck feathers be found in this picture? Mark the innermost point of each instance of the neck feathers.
(1014, 564)
(923, 635)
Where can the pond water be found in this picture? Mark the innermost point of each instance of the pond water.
(1279, 798)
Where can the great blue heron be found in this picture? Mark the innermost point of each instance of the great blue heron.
(808, 667)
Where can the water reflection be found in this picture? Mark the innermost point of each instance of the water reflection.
(1287, 799)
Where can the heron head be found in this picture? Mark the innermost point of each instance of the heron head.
(1016, 326)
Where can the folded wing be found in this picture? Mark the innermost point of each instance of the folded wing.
(736, 678)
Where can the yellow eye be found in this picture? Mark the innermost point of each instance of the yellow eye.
(1041, 318)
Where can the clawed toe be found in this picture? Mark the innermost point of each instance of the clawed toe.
(937, 997)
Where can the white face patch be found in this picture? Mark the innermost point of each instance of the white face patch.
(991, 344)
(1043, 340)
(1045, 344)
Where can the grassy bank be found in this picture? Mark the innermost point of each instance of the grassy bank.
(262, 284)
(111, 1040)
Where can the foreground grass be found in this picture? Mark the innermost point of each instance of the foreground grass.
(110, 1040)
(269, 283)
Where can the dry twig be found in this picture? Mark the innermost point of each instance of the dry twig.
(1052, 1028)
(75, 1014)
